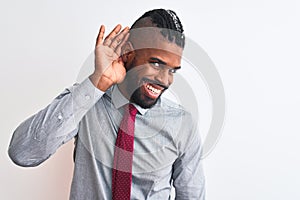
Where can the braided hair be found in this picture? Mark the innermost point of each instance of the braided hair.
(168, 21)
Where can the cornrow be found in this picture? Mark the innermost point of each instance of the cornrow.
(175, 20)
(168, 21)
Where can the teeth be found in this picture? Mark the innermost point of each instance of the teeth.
(154, 90)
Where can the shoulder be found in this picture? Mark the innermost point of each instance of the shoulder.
(180, 118)
(168, 105)
(183, 116)
(184, 123)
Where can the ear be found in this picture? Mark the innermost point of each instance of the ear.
(127, 52)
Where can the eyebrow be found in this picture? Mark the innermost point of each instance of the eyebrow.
(162, 62)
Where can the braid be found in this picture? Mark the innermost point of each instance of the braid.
(169, 22)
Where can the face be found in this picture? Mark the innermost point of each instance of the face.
(150, 72)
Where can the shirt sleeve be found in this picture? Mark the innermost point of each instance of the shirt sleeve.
(38, 137)
(188, 177)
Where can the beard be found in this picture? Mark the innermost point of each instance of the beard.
(142, 100)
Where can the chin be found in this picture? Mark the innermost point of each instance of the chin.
(142, 100)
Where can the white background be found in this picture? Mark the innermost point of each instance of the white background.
(254, 45)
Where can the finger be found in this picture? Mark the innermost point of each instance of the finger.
(112, 34)
(118, 38)
(100, 35)
(119, 48)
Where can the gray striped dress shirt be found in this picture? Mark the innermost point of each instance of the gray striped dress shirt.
(167, 145)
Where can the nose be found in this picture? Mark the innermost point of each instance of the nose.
(164, 78)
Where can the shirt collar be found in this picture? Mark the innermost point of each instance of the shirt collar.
(119, 100)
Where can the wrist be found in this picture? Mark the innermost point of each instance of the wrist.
(100, 82)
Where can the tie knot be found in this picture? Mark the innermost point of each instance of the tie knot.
(132, 109)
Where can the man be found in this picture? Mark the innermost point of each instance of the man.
(130, 142)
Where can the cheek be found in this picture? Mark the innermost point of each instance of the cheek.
(170, 79)
(143, 71)
(136, 74)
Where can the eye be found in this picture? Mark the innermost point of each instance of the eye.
(155, 65)
(172, 71)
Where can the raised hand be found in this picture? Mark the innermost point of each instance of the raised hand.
(109, 67)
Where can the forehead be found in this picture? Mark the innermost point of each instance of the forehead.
(152, 38)
(149, 42)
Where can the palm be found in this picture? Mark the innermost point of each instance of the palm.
(109, 68)
(112, 70)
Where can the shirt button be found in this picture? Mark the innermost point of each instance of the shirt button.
(60, 117)
(87, 97)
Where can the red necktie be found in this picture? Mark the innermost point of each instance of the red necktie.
(122, 168)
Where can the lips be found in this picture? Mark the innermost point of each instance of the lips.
(152, 90)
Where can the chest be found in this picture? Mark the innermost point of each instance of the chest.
(154, 138)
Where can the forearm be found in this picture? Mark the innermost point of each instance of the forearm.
(41, 135)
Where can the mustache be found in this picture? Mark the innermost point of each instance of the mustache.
(155, 83)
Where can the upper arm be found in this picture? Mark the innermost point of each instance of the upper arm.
(38, 137)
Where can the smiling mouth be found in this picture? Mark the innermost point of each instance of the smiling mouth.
(153, 90)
